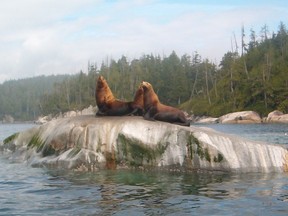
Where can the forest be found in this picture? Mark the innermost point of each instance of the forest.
(251, 76)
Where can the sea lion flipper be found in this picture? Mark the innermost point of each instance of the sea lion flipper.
(148, 117)
(99, 113)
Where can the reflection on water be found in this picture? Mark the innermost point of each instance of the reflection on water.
(145, 193)
(57, 192)
(34, 191)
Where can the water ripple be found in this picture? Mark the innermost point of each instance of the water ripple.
(33, 191)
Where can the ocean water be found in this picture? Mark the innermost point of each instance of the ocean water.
(271, 133)
(38, 191)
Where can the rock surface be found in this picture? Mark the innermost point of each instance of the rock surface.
(7, 119)
(43, 119)
(90, 143)
(277, 117)
(87, 111)
(241, 117)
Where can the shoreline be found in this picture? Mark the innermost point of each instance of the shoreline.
(241, 117)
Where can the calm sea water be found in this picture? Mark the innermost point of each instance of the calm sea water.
(36, 191)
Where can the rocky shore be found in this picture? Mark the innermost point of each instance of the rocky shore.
(245, 117)
(242, 117)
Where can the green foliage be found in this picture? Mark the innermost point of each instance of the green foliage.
(283, 106)
(256, 79)
(74, 93)
(171, 77)
(21, 98)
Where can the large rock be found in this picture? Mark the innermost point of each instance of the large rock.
(241, 117)
(277, 117)
(7, 119)
(89, 110)
(90, 143)
(43, 119)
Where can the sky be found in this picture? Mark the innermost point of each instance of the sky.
(45, 37)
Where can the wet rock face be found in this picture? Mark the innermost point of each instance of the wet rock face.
(92, 143)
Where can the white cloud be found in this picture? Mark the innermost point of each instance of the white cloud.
(53, 37)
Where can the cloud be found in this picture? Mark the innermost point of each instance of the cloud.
(56, 37)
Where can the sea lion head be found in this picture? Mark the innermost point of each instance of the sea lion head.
(146, 86)
(150, 97)
(101, 82)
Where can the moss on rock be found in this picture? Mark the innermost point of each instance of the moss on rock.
(219, 158)
(40, 146)
(10, 138)
(36, 142)
(137, 153)
(195, 147)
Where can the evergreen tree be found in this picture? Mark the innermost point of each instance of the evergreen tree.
(256, 79)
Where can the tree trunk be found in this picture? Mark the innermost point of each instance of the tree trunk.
(194, 84)
(245, 68)
(207, 87)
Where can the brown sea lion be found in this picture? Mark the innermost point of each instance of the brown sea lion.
(155, 110)
(108, 105)
(138, 102)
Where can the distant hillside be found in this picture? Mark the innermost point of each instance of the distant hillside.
(20, 98)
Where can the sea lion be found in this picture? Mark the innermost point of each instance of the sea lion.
(108, 105)
(138, 102)
(155, 110)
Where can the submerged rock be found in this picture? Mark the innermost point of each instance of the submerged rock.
(90, 143)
